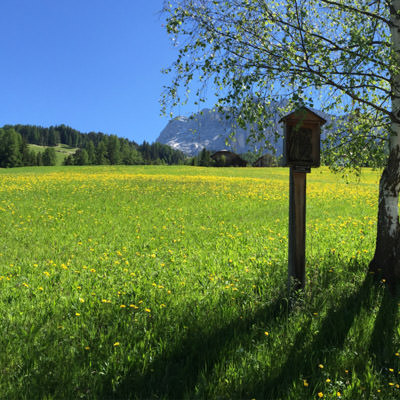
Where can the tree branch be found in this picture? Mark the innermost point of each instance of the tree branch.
(357, 10)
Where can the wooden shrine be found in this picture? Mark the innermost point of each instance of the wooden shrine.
(301, 152)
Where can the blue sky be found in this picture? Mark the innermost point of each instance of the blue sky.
(91, 64)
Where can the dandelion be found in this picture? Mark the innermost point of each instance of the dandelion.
(338, 394)
(81, 300)
(391, 384)
(320, 366)
(87, 348)
(116, 344)
(147, 310)
(328, 380)
(320, 395)
(77, 314)
(391, 369)
(266, 333)
(122, 306)
(305, 383)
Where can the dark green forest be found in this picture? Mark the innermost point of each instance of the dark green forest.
(94, 148)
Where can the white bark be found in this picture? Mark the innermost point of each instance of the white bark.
(390, 192)
(386, 261)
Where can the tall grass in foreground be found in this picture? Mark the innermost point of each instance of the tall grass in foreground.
(170, 282)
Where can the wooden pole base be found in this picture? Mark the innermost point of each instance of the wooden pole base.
(297, 227)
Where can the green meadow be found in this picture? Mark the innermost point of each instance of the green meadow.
(153, 282)
(62, 151)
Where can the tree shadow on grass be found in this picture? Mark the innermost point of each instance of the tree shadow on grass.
(382, 346)
(175, 373)
(306, 354)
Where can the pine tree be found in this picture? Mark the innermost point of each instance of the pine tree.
(49, 156)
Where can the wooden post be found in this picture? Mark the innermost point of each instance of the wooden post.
(301, 151)
(297, 227)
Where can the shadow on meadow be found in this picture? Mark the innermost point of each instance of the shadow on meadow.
(178, 373)
(382, 347)
(175, 375)
(305, 356)
(307, 353)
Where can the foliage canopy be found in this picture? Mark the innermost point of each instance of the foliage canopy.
(261, 55)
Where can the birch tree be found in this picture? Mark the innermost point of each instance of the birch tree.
(343, 57)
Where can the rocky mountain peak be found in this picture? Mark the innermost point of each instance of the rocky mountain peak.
(209, 129)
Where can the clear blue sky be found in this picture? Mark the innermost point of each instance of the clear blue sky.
(91, 64)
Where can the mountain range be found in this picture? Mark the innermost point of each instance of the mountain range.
(210, 129)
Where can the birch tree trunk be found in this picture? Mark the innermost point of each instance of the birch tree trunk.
(386, 261)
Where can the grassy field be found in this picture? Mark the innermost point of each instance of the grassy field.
(170, 282)
(62, 151)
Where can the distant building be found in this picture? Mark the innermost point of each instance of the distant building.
(267, 160)
(225, 158)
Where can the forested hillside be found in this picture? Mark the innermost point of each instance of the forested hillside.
(94, 148)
